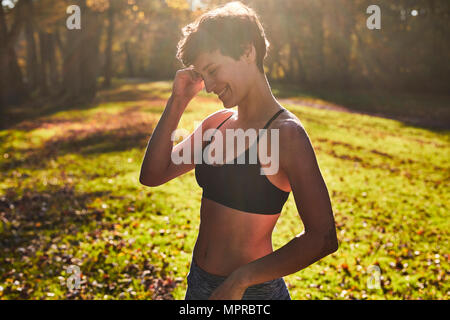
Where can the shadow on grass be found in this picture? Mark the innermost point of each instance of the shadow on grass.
(40, 237)
(56, 211)
(82, 142)
(424, 110)
(429, 111)
(135, 135)
(44, 107)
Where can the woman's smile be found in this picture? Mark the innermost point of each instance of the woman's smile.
(224, 91)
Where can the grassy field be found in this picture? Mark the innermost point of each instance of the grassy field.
(70, 195)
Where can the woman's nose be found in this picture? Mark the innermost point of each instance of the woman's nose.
(209, 85)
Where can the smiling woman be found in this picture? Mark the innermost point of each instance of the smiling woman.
(233, 258)
(214, 45)
(227, 29)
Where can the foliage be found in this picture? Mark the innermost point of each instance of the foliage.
(317, 44)
(69, 194)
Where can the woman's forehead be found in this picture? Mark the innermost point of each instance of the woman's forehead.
(206, 59)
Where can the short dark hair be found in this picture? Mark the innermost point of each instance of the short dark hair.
(229, 28)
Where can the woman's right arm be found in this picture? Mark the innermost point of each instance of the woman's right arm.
(157, 166)
(159, 147)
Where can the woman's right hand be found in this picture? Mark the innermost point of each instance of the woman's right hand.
(187, 84)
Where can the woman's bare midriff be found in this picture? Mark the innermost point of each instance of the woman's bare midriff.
(229, 238)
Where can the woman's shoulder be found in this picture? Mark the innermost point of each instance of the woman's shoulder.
(287, 122)
(290, 130)
(223, 113)
(215, 118)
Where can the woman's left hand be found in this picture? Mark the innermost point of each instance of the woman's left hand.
(231, 289)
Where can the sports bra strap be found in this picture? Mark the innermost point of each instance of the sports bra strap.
(270, 121)
(223, 122)
(273, 118)
(265, 127)
(219, 127)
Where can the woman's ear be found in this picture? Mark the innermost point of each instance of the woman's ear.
(250, 54)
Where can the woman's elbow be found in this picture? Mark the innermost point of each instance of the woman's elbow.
(334, 246)
(329, 241)
(149, 182)
(331, 238)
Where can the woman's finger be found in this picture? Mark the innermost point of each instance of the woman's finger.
(195, 76)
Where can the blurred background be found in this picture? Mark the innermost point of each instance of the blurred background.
(314, 44)
(77, 108)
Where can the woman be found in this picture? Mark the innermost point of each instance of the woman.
(233, 257)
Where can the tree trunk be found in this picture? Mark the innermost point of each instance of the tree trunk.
(12, 88)
(318, 39)
(81, 59)
(43, 65)
(31, 58)
(347, 24)
(129, 61)
(108, 50)
(53, 70)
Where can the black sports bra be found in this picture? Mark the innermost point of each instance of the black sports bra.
(240, 186)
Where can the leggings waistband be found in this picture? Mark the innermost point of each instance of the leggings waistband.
(206, 275)
(202, 283)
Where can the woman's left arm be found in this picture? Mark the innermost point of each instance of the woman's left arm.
(311, 196)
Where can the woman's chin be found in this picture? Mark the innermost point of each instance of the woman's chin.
(227, 104)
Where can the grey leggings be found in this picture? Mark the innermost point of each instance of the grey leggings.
(201, 284)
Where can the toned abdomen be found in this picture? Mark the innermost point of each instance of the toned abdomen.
(230, 238)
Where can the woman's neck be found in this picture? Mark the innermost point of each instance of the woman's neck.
(259, 102)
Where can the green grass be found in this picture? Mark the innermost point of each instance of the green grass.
(70, 195)
(418, 109)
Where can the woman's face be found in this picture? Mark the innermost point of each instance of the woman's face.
(227, 78)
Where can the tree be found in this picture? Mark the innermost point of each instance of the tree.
(12, 88)
(81, 58)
